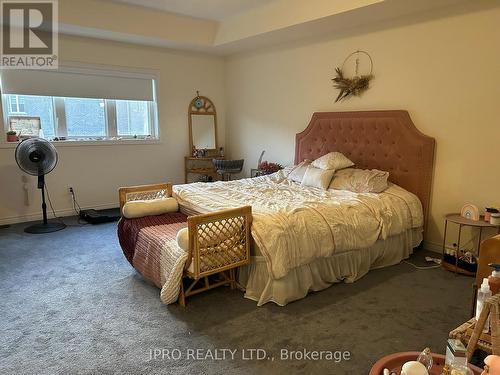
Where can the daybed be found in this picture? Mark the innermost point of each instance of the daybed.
(217, 243)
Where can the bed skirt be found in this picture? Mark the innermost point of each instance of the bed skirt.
(347, 266)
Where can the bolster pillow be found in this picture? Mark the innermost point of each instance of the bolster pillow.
(183, 239)
(152, 207)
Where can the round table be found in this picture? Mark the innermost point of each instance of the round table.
(393, 362)
(464, 222)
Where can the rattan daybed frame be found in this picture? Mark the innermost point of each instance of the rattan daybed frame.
(219, 242)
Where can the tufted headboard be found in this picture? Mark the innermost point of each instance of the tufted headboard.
(385, 140)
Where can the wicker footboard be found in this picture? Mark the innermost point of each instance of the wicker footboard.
(219, 242)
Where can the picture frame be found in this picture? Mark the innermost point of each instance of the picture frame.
(25, 126)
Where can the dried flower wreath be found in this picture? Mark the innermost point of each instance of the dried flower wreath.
(352, 86)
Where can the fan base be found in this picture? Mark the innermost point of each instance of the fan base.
(45, 228)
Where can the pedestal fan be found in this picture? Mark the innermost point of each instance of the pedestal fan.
(38, 157)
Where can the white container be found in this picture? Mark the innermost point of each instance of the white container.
(495, 219)
(482, 295)
(414, 368)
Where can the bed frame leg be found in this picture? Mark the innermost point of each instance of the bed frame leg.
(182, 296)
(232, 277)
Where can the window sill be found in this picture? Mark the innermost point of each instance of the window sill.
(80, 143)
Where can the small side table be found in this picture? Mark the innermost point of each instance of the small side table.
(255, 172)
(463, 222)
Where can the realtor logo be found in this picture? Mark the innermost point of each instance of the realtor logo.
(29, 34)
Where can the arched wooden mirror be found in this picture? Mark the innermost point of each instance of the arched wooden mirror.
(202, 124)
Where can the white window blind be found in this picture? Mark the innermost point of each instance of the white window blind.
(79, 84)
(83, 103)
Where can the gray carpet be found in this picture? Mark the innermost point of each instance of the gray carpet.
(71, 304)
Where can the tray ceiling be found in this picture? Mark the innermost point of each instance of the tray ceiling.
(216, 10)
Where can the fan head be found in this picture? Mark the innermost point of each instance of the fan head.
(36, 156)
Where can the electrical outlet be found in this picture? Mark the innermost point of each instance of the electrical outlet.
(70, 189)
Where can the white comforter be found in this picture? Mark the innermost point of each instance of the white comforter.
(294, 225)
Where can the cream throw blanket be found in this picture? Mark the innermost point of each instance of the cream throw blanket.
(172, 261)
(294, 225)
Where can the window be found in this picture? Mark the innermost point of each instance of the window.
(132, 118)
(82, 105)
(17, 104)
(85, 117)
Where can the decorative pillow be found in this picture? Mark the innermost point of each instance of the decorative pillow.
(297, 174)
(152, 207)
(332, 160)
(317, 177)
(360, 180)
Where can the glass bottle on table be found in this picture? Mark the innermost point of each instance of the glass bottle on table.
(460, 369)
(425, 358)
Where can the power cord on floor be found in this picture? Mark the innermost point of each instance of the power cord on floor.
(428, 259)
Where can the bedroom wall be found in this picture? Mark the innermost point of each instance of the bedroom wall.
(97, 171)
(443, 70)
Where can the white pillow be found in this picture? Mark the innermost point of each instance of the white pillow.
(297, 174)
(317, 177)
(332, 160)
(135, 209)
(360, 180)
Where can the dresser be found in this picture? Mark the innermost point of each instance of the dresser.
(199, 166)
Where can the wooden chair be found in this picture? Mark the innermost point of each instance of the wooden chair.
(219, 242)
(489, 253)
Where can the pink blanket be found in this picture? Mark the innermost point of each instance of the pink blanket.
(142, 240)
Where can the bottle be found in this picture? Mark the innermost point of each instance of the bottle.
(494, 279)
(458, 369)
(482, 295)
(425, 358)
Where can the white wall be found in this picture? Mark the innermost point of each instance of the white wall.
(97, 171)
(445, 72)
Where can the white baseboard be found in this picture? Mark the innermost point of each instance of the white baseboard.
(61, 213)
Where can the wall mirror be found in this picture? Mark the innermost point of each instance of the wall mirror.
(202, 124)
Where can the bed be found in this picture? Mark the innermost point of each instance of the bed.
(305, 239)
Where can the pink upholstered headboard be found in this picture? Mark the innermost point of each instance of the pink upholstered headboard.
(385, 140)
